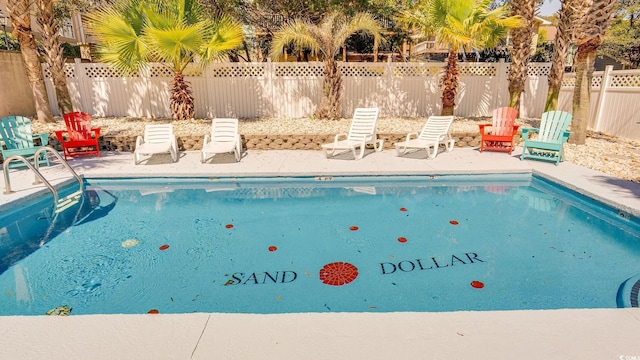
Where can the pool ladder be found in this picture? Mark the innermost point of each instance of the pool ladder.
(60, 204)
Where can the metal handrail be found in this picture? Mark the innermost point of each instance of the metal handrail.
(38, 176)
(62, 160)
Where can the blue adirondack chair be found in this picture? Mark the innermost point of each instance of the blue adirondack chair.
(16, 139)
(552, 134)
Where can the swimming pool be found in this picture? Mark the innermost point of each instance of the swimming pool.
(323, 244)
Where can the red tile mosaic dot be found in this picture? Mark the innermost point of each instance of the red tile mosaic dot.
(453, 222)
(477, 284)
(338, 273)
(272, 248)
(354, 228)
(164, 247)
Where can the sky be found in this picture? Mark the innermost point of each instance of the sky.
(549, 7)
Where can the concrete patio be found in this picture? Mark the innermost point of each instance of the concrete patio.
(548, 334)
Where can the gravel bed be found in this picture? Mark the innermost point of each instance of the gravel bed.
(615, 156)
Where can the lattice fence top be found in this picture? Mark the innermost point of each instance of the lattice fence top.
(104, 71)
(534, 69)
(285, 70)
(160, 71)
(569, 80)
(627, 80)
(45, 71)
(254, 71)
(477, 69)
(416, 70)
(368, 70)
(69, 71)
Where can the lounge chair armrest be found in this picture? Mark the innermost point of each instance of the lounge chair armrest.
(482, 126)
(515, 128)
(96, 131)
(526, 131)
(565, 136)
(207, 139)
(139, 141)
(44, 138)
(337, 138)
(411, 134)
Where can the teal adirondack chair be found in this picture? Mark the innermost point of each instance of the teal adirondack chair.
(552, 134)
(16, 139)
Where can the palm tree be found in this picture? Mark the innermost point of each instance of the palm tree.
(589, 35)
(326, 39)
(462, 25)
(50, 26)
(521, 40)
(569, 12)
(20, 15)
(176, 33)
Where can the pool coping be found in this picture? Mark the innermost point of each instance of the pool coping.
(528, 334)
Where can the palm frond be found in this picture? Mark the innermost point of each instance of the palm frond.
(176, 45)
(119, 42)
(299, 33)
(225, 34)
(360, 23)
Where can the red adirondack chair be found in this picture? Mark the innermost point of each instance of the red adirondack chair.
(79, 139)
(503, 130)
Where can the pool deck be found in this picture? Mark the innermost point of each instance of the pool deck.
(548, 334)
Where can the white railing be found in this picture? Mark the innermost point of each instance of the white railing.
(249, 90)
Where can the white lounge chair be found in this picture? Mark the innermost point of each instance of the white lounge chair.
(158, 139)
(224, 138)
(361, 134)
(434, 133)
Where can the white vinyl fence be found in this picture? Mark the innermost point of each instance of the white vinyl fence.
(292, 90)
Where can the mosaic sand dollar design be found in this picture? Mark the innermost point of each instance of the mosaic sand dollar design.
(338, 273)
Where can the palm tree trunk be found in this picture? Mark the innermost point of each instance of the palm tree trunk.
(182, 103)
(449, 84)
(521, 50)
(564, 36)
(55, 57)
(584, 61)
(329, 107)
(19, 13)
(595, 16)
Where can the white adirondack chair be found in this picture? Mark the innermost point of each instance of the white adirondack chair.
(224, 138)
(434, 133)
(361, 134)
(158, 139)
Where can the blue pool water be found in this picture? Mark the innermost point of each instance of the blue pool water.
(281, 245)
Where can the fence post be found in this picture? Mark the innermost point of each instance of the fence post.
(604, 85)
(501, 71)
(84, 96)
(269, 74)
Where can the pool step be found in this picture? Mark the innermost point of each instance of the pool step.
(68, 201)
